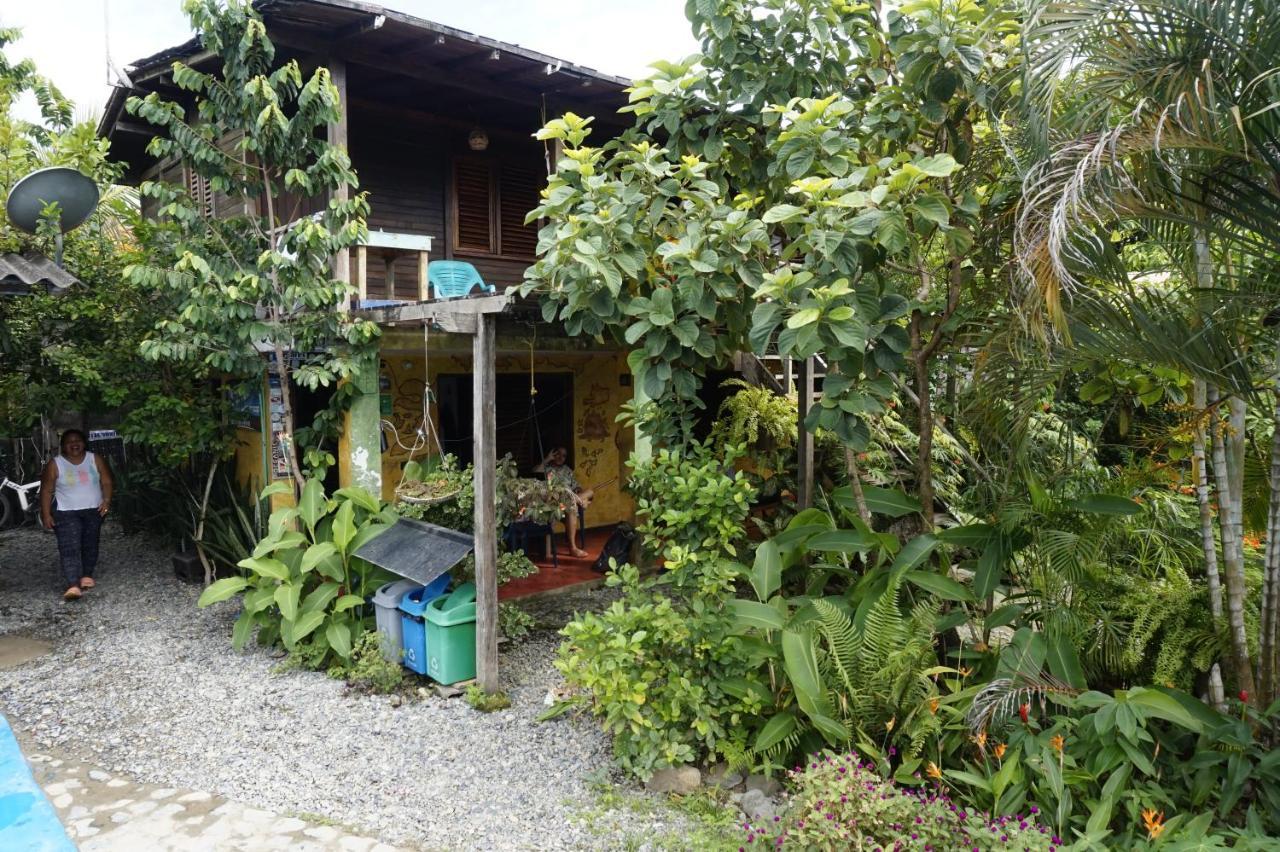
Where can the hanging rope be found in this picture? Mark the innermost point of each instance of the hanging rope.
(425, 435)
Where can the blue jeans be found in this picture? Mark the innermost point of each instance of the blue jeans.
(77, 532)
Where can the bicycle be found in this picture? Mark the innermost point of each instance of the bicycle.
(22, 506)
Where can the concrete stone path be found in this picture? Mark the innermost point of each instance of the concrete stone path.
(103, 812)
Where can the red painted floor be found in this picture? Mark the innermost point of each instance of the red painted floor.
(570, 573)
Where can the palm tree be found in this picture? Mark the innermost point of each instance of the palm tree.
(1167, 113)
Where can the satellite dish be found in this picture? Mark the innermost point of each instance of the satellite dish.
(75, 195)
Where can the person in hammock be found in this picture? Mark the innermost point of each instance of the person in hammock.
(560, 475)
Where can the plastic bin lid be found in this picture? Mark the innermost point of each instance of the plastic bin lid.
(413, 602)
(446, 612)
(464, 594)
(389, 596)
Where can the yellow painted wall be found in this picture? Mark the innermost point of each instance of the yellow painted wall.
(600, 445)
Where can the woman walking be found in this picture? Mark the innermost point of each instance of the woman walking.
(81, 484)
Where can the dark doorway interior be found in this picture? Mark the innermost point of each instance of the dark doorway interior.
(525, 431)
(306, 405)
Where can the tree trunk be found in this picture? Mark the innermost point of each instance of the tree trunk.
(1268, 662)
(1208, 541)
(924, 451)
(855, 485)
(286, 403)
(1228, 474)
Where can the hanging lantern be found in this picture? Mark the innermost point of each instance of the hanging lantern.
(478, 140)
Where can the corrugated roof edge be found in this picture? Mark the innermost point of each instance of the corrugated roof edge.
(35, 269)
(115, 103)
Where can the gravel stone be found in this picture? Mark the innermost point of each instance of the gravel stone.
(143, 683)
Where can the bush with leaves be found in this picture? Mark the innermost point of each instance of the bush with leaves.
(839, 802)
(663, 673)
(692, 498)
(368, 670)
(303, 586)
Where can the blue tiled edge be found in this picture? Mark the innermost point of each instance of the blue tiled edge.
(27, 820)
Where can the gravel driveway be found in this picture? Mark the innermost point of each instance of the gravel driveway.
(142, 682)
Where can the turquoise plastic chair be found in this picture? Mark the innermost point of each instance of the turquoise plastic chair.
(452, 279)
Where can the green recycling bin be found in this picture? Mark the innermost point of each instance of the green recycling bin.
(451, 635)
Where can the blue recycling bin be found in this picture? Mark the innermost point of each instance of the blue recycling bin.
(413, 628)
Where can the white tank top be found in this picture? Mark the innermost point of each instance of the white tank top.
(78, 486)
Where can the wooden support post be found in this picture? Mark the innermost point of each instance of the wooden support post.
(804, 444)
(337, 135)
(788, 375)
(486, 532)
(362, 274)
(423, 288)
(389, 274)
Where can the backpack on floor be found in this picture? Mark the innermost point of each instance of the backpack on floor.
(618, 547)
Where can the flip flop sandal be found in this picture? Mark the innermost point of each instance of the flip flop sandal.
(72, 594)
(87, 583)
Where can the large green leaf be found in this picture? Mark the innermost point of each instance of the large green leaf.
(842, 541)
(969, 535)
(344, 528)
(766, 572)
(1064, 662)
(1164, 706)
(940, 586)
(800, 658)
(360, 497)
(305, 625)
(339, 636)
(319, 597)
(242, 630)
(775, 730)
(889, 501)
(286, 597)
(750, 614)
(266, 567)
(347, 602)
(1106, 504)
(1024, 655)
(311, 505)
(317, 553)
(221, 590)
(912, 554)
(271, 544)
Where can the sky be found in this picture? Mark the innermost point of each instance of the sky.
(68, 38)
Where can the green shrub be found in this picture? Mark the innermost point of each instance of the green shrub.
(303, 586)
(514, 622)
(368, 670)
(692, 499)
(839, 802)
(662, 674)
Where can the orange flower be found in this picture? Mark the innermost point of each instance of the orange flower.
(1057, 742)
(965, 671)
(933, 771)
(1154, 822)
(888, 726)
(981, 740)
(933, 706)
(1000, 750)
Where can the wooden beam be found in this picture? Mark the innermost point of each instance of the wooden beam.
(423, 277)
(456, 315)
(362, 273)
(417, 68)
(486, 532)
(804, 446)
(337, 135)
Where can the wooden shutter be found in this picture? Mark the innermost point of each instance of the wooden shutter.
(518, 194)
(201, 193)
(473, 199)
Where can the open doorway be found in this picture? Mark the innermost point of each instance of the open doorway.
(526, 432)
(307, 404)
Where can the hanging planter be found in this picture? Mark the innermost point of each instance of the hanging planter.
(424, 487)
